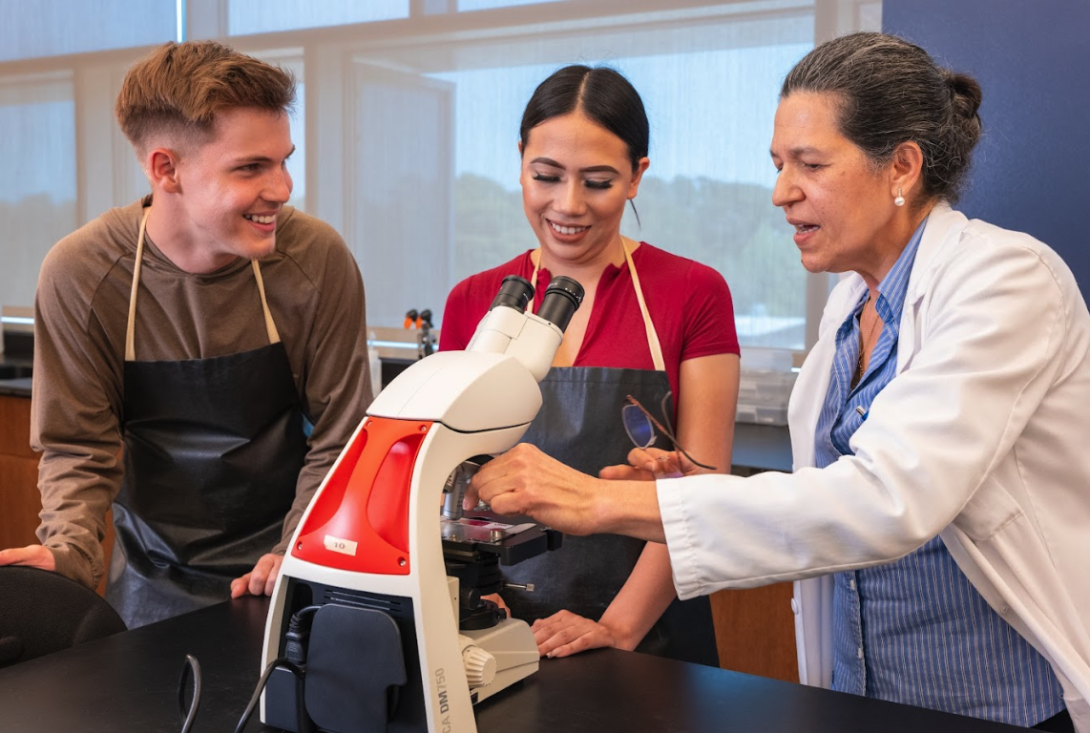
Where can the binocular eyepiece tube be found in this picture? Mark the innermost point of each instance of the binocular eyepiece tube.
(561, 300)
(515, 292)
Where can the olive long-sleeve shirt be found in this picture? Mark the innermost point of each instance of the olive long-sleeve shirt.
(314, 292)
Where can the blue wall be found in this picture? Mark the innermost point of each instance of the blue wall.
(1031, 170)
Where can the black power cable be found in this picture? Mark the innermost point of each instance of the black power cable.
(293, 661)
(250, 706)
(189, 713)
(295, 640)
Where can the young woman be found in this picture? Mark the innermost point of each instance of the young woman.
(652, 325)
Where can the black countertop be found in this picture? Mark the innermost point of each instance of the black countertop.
(761, 447)
(15, 387)
(129, 682)
(15, 374)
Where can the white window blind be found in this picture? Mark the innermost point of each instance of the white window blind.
(38, 185)
(31, 29)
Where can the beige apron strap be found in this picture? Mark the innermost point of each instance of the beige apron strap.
(649, 327)
(130, 327)
(533, 278)
(270, 327)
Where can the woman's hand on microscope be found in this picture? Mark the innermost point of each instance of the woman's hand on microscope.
(526, 481)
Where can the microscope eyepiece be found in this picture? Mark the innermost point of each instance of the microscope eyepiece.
(562, 299)
(515, 292)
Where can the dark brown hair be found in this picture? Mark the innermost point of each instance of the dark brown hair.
(602, 94)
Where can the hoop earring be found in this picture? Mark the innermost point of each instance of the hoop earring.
(900, 200)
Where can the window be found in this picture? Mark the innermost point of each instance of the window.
(464, 5)
(269, 16)
(711, 93)
(292, 61)
(710, 85)
(38, 188)
(407, 123)
(31, 30)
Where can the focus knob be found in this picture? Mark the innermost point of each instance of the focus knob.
(480, 666)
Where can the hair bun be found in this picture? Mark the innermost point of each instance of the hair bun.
(965, 91)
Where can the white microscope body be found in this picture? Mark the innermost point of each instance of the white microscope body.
(370, 545)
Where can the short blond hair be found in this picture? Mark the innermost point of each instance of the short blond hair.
(177, 90)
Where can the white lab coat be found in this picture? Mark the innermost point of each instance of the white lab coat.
(983, 438)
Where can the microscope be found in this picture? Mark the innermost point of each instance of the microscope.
(377, 621)
(425, 339)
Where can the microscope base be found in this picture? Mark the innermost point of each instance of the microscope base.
(512, 644)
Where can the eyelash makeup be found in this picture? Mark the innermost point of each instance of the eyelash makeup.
(596, 185)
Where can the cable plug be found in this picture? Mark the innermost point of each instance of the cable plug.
(295, 640)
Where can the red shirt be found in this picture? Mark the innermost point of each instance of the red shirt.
(689, 303)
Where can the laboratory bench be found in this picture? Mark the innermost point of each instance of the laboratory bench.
(754, 627)
(129, 682)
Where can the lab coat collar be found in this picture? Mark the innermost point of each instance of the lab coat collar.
(942, 230)
(943, 223)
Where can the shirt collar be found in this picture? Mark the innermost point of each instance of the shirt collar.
(894, 286)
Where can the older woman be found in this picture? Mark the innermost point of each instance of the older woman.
(939, 503)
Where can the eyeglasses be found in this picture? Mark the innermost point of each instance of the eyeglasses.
(641, 425)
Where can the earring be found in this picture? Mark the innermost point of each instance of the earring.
(900, 200)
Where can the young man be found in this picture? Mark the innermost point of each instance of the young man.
(196, 329)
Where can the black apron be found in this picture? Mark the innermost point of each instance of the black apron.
(580, 425)
(213, 450)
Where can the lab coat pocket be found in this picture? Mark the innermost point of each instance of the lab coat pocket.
(989, 510)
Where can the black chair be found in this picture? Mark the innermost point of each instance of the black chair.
(43, 612)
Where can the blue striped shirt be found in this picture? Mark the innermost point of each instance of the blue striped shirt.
(915, 631)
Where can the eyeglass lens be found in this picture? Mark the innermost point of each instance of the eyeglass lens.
(639, 428)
